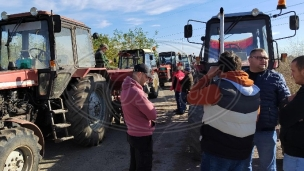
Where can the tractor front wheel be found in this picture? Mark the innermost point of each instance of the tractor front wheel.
(19, 149)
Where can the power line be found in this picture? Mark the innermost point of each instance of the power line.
(255, 3)
(287, 6)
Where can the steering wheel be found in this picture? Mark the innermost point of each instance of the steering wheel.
(233, 46)
(40, 52)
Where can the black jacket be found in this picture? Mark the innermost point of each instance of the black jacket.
(274, 89)
(187, 82)
(292, 125)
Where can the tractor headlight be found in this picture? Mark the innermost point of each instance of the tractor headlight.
(4, 15)
(33, 11)
(255, 12)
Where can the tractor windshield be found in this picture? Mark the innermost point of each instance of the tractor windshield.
(128, 60)
(167, 59)
(185, 61)
(242, 38)
(25, 44)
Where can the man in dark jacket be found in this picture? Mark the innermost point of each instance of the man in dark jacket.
(186, 84)
(231, 106)
(273, 89)
(292, 121)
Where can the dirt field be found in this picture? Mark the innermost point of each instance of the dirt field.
(171, 149)
(183, 159)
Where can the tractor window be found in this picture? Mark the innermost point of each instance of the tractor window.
(241, 39)
(84, 48)
(147, 59)
(64, 48)
(153, 62)
(185, 61)
(127, 62)
(29, 45)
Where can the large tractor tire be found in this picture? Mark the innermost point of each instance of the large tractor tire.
(89, 109)
(19, 149)
(154, 87)
(195, 115)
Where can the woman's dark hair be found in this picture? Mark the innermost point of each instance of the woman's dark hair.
(229, 61)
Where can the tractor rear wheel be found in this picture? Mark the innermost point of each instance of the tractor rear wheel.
(89, 104)
(19, 149)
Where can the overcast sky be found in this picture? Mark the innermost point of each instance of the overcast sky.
(168, 17)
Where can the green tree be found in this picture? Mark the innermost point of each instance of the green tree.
(133, 39)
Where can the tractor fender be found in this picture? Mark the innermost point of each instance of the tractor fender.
(33, 127)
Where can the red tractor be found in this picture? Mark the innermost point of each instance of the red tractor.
(239, 32)
(126, 62)
(49, 86)
(167, 66)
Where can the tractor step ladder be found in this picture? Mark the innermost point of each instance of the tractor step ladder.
(56, 126)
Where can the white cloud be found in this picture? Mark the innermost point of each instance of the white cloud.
(275, 32)
(102, 24)
(156, 25)
(134, 21)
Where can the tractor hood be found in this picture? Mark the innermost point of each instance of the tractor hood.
(117, 76)
(18, 78)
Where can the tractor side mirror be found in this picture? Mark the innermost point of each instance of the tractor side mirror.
(95, 35)
(188, 31)
(57, 23)
(115, 60)
(283, 57)
(294, 22)
(179, 57)
(151, 57)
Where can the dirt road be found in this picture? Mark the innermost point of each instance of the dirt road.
(171, 152)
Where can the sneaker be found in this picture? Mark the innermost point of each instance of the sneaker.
(180, 112)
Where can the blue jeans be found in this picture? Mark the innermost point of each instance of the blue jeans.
(183, 99)
(291, 163)
(214, 163)
(178, 101)
(266, 143)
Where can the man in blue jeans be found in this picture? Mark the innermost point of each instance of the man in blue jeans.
(274, 90)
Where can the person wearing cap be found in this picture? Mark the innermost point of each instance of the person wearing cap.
(186, 84)
(176, 86)
(139, 114)
(100, 57)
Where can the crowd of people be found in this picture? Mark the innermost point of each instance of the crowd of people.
(241, 111)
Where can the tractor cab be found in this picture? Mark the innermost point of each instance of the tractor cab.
(240, 33)
(185, 61)
(167, 65)
(129, 58)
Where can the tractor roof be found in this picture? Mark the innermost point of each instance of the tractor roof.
(239, 14)
(28, 14)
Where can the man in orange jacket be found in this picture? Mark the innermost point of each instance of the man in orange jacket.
(231, 106)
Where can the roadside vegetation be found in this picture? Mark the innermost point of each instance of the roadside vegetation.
(294, 49)
(133, 39)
